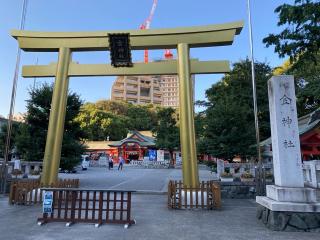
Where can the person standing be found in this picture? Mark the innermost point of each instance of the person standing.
(121, 162)
(110, 162)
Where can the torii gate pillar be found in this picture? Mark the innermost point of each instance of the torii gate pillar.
(187, 130)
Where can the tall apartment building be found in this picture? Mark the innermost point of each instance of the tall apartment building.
(137, 89)
(162, 90)
(169, 85)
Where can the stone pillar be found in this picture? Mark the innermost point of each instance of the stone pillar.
(288, 196)
(285, 132)
(10, 168)
(27, 169)
(252, 169)
(36, 167)
(220, 167)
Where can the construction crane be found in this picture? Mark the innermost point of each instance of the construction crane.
(146, 25)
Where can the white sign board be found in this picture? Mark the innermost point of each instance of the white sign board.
(160, 155)
(47, 202)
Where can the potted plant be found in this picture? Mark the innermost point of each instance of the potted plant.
(247, 177)
(35, 172)
(16, 172)
(269, 177)
(226, 177)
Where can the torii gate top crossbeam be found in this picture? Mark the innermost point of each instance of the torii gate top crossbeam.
(202, 36)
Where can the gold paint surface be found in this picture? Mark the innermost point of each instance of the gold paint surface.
(152, 68)
(187, 131)
(200, 36)
(52, 154)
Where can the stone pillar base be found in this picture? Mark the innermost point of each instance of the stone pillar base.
(289, 221)
(292, 194)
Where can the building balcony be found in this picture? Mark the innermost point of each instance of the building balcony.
(145, 97)
(132, 89)
(130, 81)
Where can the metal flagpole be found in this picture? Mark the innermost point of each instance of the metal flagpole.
(12, 104)
(255, 107)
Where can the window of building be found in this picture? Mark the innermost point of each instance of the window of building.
(145, 92)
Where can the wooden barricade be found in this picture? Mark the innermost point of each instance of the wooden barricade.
(28, 191)
(89, 206)
(206, 196)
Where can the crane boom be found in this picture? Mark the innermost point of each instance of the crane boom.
(146, 25)
(153, 9)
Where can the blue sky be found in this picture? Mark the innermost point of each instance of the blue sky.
(93, 15)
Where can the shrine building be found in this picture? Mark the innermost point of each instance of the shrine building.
(309, 131)
(134, 147)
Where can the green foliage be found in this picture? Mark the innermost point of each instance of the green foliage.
(15, 131)
(307, 76)
(226, 175)
(166, 131)
(142, 117)
(114, 107)
(246, 175)
(31, 142)
(100, 124)
(269, 175)
(200, 129)
(114, 119)
(300, 39)
(229, 124)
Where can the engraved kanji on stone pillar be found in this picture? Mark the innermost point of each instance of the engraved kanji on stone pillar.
(285, 132)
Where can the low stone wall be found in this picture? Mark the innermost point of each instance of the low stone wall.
(238, 190)
(289, 221)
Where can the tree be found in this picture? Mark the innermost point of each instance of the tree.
(200, 131)
(31, 142)
(136, 117)
(101, 125)
(141, 117)
(229, 124)
(166, 131)
(15, 131)
(307, 78)
(114, 107)
(300, 40)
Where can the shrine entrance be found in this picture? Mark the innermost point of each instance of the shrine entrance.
(182, 39)
(134, 147)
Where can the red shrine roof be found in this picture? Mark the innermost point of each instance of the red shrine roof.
(306, 124)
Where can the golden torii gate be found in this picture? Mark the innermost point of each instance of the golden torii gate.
(180, 38)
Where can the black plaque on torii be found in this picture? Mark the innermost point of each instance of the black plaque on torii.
(120, 50)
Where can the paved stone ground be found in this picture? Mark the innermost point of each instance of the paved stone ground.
(131, 178)
(154, 221)
(237, 219)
